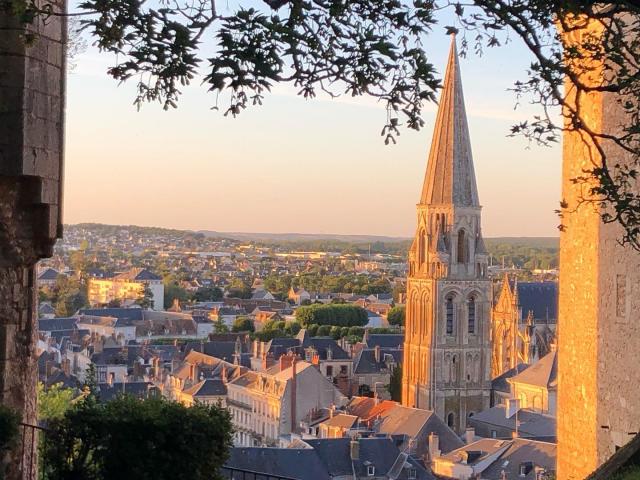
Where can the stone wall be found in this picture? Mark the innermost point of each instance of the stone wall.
(32, 72)
(599, 315)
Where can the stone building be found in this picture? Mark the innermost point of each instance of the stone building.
(599, 312)
(127, 286)
(447, 352)
(523, 323)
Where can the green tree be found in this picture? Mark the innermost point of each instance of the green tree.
(332, 314)
(146, 300)
(128, 438)
(396, 315)
(220, 327)
(54, 401)
(312, 329)
(243, 324)
(324, 331)
(395, 384)
(172, 291)
(208, 294)
(238, 288)
(68, 295)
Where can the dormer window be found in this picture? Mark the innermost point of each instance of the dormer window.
(413, 474)
(371, 471)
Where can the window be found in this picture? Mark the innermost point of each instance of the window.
(462, 247)
(371, 470)
(494, 434)
(449, 315)
(450, 420)
(329, 370)
(471, 304)
(343, 369)
(413, 473)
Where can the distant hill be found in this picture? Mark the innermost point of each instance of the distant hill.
(534, 242)
(297, 237)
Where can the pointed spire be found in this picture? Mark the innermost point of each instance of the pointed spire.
(450, 177)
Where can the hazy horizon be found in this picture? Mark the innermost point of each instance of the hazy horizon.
(294, 165)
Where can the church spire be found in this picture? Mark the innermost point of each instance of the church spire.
(450, 178)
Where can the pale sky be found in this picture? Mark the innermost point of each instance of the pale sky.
(295, 165)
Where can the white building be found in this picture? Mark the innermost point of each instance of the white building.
(266, 407)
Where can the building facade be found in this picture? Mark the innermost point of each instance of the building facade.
(127, 286)
(447, 353)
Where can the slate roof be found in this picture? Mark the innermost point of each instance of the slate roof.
(530, 424)
(378, 452)
(208, 387)
(415, 423)
(57, 324)
(541, 298)
(119, 313)
(450, 177)
(222, 350)
(45, 308)
(543, 373)
(390, 340)
(59, 377)
(138, 274)
(501, 384)
(322, 344)
(541, 454)
(48, 274)
(108, 392)
(297, 463)
(365, 361)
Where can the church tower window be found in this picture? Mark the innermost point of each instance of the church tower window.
(449, 315)
(463, 248)
(471, 317)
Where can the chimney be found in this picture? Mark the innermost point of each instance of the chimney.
(434, 446)
(469, 435)
(156, 367)
(294, 395)
(255, 348)
(332, 410)
(224, 374)
(376, 353)
(286, 361)
(513, 405)
(192, 372)
(355, 449)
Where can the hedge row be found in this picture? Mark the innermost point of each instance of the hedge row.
(333, 314)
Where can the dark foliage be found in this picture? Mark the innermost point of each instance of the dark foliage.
(9, 424)
(333, 314)
(396, 316)
(136, 439)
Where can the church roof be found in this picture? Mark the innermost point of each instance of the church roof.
(450, 177)
(543, 373)
(540, 298)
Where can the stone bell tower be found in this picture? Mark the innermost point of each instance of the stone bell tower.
(447, 353)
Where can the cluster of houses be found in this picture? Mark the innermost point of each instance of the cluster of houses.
(324, 402)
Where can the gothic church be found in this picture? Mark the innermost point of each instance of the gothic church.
(447, 350)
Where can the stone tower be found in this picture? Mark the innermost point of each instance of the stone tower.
(599, 304)
(446, 350)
